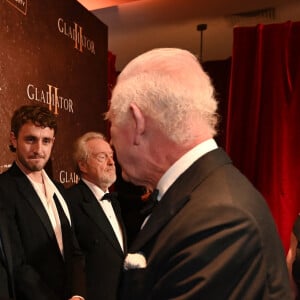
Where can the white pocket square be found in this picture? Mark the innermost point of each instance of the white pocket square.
(135, 261)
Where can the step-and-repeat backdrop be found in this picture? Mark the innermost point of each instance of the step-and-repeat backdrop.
(54, 53)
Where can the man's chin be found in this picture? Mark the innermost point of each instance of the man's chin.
(131, 179)
(125, 176)
(36, 167)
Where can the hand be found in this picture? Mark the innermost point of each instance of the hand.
(290, 258)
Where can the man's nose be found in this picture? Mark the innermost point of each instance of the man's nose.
(38, 146)
(110, 160)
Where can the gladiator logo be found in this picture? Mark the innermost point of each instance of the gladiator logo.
(51, 97)
(68, 177)
(75, 32)
(20, 5)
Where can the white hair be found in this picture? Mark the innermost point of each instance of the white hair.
(169, 85)
(80, 151)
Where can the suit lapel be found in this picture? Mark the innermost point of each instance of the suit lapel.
(28, 192)
(117, 210)
(160, 216)
(95, 212)
(178, 195)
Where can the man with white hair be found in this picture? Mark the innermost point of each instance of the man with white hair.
(97, 216)
(210, 234)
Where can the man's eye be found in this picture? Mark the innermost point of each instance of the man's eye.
(30, 139)
(46, 141)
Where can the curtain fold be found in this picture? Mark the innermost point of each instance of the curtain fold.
(263, 130)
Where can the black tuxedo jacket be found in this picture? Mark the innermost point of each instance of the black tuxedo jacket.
(6, 259)
(104, 256)
(45, 274)
(210, 237)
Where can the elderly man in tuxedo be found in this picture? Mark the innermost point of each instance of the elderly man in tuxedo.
(210, 234)
(97, 217)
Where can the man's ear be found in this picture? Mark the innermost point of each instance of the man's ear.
(13, 139)
(139, 121)
(82, 166)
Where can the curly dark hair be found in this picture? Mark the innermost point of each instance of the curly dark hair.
(39, 115)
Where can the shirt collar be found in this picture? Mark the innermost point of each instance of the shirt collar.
(182, 164)
(98, 193)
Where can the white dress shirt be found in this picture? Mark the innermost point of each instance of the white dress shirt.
(181, 165)
(45, 191)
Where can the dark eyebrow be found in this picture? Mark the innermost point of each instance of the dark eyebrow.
(30, 137)
(34, 137)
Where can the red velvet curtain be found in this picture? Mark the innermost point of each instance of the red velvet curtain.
(263, 126)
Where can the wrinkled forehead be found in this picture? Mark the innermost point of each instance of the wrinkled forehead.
(99, 145)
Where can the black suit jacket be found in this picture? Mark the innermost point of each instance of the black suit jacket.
(45, 274)
(6, 259)
(210, 237)
(104, 256)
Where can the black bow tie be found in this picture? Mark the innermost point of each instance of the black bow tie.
(109, 196)
(151, 202)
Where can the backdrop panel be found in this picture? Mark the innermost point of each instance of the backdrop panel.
(53, 52)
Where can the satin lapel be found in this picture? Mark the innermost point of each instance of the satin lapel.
(163, 212)
(178, 194)
(117, 210)
(95, 212)
(28, 192)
